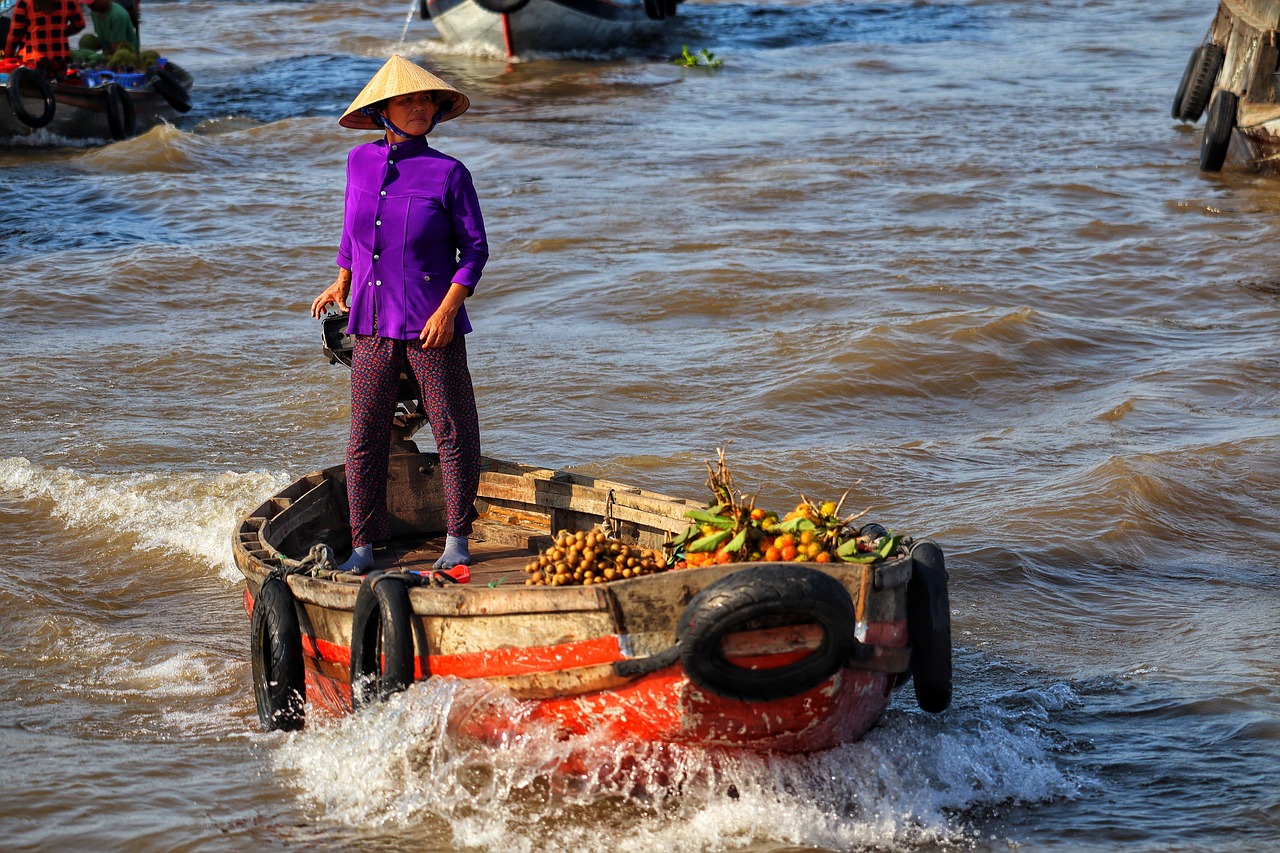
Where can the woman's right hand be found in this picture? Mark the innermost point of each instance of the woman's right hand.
(334, 294)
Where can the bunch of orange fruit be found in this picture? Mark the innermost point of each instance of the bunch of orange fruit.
(812, 532)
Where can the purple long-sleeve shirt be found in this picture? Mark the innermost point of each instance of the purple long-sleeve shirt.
(412, 227)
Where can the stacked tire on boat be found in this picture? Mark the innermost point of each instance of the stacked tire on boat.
(1195, 92)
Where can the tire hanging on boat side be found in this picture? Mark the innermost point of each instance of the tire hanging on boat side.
(1217, 131)
(929, 627)
(1180, 95)
(655, 9)
(381, 640)
(23, 77)
(120, 114)
(1199, 86)
(727, 605)
(170, 88)
(279, 683)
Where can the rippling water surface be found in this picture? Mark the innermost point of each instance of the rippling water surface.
(951, 256)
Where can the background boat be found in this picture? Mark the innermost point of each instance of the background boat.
(1231, 78)
(100, 105)
(521, 27)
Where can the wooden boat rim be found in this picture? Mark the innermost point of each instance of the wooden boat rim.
(290, 507)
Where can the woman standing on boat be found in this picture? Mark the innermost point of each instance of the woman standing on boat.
(413, 247)
(39, 32)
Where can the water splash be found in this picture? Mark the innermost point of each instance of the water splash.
(908, 783)
(189, 514)
(408, 19)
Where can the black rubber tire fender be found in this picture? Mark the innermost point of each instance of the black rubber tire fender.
(929, 627)
(1217, 131)
(423, 12)
(381, 640)
(1208, 63)
(502, 7)
(669, 8)
(170, 88)
(1180, 95)
(655, 9)
(275, 644)
(733, 601)
(23, 77)
(120, 115)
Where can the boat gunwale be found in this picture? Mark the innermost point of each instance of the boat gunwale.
(278, 516)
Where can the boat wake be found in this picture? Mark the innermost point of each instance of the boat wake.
(914, 780)
(176, 513)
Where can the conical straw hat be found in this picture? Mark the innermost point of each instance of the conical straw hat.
(398, 77)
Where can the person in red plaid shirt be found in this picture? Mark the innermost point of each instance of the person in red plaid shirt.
(39, 31)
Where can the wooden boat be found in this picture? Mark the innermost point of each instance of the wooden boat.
(1232, 75)
(515, 27)
(90, 104)
(785, 657)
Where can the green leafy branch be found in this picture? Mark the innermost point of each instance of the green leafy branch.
(702, 59)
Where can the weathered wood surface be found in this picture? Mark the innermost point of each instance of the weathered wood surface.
(1258, 15)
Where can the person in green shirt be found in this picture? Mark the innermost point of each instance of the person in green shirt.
(112, 25)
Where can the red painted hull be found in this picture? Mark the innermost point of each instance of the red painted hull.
(663, 706)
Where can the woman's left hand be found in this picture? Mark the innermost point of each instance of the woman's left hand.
(438, 331)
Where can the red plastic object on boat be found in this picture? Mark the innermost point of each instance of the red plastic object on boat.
(462, 574)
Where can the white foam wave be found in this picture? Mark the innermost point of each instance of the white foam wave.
(167, 684)
(188, 514)
(908, 783)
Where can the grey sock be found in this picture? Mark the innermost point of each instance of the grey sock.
(361, 560)
(456, 553)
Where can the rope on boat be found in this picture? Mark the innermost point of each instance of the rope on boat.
(320, 562)
(319, 558)
(610, 524)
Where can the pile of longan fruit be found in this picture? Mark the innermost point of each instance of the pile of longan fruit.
(587, 557)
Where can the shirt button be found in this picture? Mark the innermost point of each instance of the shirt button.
(375, 257)
(378, 222)
(391, 162)
(426, 278)
(393, 147)
(378, 282)
(384, 192)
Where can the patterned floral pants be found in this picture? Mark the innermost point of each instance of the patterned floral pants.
(449, 402)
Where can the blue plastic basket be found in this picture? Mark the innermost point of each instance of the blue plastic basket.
(131, 80)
